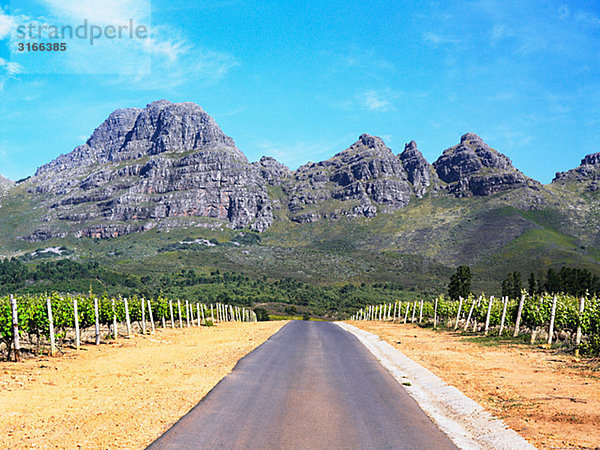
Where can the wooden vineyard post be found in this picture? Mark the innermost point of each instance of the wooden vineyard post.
(51, 324)
(15, 327)
(179, 314)
(395, 310)
(171, 311)
(470, 314)
(76, 320)
(487, 316)
(187, 313)
(421, 312)
(412, 319)
(504, 306)
(458, 313)
(164, 325)
(578, 333)
(406, 312)
(143, 301)
(198, 312)
(519, 313)
(202, 311)
(127, 319)
(435, 313)
(231, 316)
(212, 315)
(115, 331)
(552, 318)
(97, 322)
(151, 317)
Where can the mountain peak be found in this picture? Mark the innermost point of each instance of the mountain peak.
(473, 168)
(592, 159)
(417, 168)
(412, 145)
(132, 133)
(371, 141)
(469, 138)
(588, 172)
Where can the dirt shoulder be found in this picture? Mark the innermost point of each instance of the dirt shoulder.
(551, 400)
(122, 395)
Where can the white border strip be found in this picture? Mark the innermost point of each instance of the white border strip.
(463, 420)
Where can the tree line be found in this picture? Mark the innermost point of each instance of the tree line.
(567, 280)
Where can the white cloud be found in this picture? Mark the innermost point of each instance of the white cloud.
(583, 17)
(377, 100)
(8, 70)
(6, 24)
(101, 12)
(439, 39)
(11, 68)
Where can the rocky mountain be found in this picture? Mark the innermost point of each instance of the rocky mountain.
(418, 170)
(163, 188)
(143, 165)
(587, 174)
(354, 182)
(171, 166)
(473, 168)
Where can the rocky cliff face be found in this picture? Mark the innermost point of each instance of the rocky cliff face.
(417, 168)
(587, 174)
(272, 170)
(473, 168)
(359, 181)
(143, 165)
(148, 167)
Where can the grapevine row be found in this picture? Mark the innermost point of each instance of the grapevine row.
(566, 319)
(43, 319)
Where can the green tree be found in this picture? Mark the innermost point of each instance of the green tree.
(532, 288)
(460, 283)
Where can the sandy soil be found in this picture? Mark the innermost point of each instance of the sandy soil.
(551, 400)
(122, 395)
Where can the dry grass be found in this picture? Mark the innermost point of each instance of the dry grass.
(122, 395)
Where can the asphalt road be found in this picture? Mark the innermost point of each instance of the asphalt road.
(312, 385)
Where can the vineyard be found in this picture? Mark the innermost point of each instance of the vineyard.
(42, 322)
(556, 320)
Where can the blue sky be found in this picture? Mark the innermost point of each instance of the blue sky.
(301, 81)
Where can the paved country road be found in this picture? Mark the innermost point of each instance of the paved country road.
(312, 385)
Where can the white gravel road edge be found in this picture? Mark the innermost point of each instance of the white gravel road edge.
(463, 420)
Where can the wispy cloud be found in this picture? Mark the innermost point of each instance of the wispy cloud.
(378, 100)
(582, 17)
(101, 12)
(6, 24)
(437, 39)
(165, 59)
(8, 70)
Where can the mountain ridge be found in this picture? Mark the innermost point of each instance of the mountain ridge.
(143, 166)
(163, 188)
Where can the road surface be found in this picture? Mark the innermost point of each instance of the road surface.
(312, 385)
